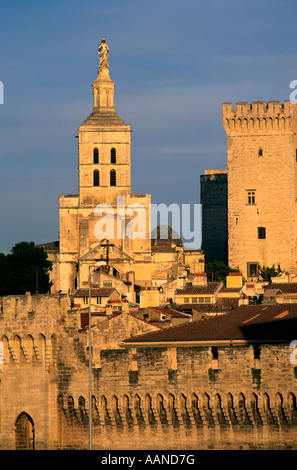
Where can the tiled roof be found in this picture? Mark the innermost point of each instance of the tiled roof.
(285, 287)
(222, 305)
(134, 315)
(247, 322)
(272, 292)
(95, 292)
(189, 289)
(171, 312)
(98, 118)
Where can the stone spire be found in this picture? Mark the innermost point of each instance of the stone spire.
(103, 87)
(103, 113)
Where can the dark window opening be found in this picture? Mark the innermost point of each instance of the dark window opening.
(252, 269)
(113, 158)
(113, 178)
(96, 178)
(260, 153)
(257, 351)
(261, 233)
(214, 358)
(251, 197)
(96, 155)
(214, 352)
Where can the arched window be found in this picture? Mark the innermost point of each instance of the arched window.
(113, 158)
(96, 155)
(113, 178)
(96, 178)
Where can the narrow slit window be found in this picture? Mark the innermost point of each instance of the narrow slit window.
(96, 178)
(96, 155)
(214, 352)
(256, 354)
(261, 233)
(260, 153)
(113, 178)
(113, 157)
(214, 357)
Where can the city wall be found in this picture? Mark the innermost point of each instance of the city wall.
(149, 398)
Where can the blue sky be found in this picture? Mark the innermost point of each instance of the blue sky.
(174, 64)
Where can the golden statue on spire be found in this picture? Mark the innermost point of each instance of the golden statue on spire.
(103, 52)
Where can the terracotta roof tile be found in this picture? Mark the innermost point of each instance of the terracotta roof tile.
(95, 292)
(189, 289)
(285, 287)
(248, 322)
(171, 312)
(222, 305)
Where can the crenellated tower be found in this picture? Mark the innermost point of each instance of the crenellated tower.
(262, 185)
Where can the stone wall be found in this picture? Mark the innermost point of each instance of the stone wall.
(150, 398)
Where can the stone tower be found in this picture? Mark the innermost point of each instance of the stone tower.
(104, 148)
(262, 185)
(213, 197)
(104, 180)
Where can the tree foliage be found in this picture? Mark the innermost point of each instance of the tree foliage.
(267, 273)
(217, 270)
(25, 269)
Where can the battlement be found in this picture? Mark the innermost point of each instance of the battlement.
(260, 116)
(41, 312)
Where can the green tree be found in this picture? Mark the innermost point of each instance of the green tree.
(267, 273)
(217, 270)
(25, 269)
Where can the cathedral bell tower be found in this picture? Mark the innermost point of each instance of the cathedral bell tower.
(104, 182)
(104, 144)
